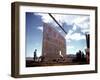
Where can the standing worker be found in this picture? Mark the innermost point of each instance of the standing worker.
(35, 55)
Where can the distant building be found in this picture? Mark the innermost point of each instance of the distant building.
(54, 44)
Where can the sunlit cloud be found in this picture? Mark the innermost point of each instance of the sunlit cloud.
(74, 27)
(75, 36)
(81, 19)
(40, 28)
(85, 31)
(83, 23)
(77, 21)
(45, 17)
(68, 19)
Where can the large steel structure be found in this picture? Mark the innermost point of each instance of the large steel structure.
(54, 44)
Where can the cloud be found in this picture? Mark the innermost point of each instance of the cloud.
(77, 21)
(83, 23)
(74, 27)
(73, 19)
(81, 19)
(68, 19)
(70, 47)
(70, 32)
(60, 31)
(75, 36)
(40, 28)
(45, 17)
(85, 31)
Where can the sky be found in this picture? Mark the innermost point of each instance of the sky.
(76, 26)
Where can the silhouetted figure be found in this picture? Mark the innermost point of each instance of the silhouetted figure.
(83, 59)
(82, 55)
(35, 55)
(78, 56)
